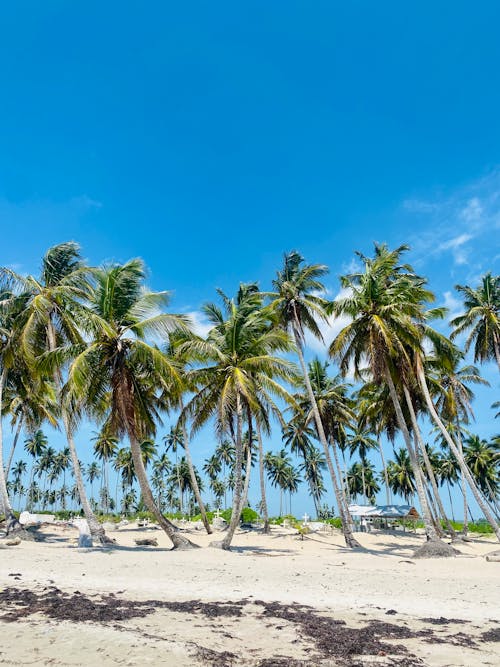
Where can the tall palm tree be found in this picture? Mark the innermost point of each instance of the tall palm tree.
(118, 376)
(105, 447)
(297, 308)
(454, 399)
(174, 442)
(361, 442)
(30, 400)
(11, 304)
(34, 446)
(239, 378)
(93, 472)
(52, 318)
(401, 475)
(384, 302)
(483, 460)
(481, 319)
(312, 469)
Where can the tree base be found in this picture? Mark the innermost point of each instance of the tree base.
(436, 549)
(219, 544)
(184, 545)
(14, 529)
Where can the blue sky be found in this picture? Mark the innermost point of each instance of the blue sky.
(208, 138)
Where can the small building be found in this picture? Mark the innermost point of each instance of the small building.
(381, 516)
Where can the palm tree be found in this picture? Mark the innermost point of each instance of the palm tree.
(51, 318)
(11, 305)
(225, 453)
(401, 475)
(312, 469)
(240, 376)
(448, 474)
(359, 441)
(481, 319)
(384, 303)
(297, 436)
(93, 472)
(30, 400)
(296, 306)
(35, 445)
(105, 447)
(174, 441)
(118, 376)
(483, 460)
(454, 399)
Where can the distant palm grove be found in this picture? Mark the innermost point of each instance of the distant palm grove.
(94, 344)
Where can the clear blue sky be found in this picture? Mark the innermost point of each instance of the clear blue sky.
(208, 138)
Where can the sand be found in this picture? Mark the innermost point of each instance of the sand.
(409, 612)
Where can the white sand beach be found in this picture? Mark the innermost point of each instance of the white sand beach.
(438, 609)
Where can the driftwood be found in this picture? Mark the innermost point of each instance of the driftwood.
(147, 542)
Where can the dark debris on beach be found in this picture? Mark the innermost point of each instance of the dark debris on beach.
(333, 641)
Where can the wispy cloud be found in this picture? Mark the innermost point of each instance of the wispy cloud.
(457, 223)
(200, 323)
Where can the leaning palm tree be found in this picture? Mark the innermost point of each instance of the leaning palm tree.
(118, 376)
(454, 399)
(297, 308)
(51, 318)
(481, 319)
(384, 303)
(237, 381)
(11, 304)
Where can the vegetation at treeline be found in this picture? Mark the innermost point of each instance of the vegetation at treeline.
(80, 342)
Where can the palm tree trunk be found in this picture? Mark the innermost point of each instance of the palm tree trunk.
(11, 523)
(262, 478)
(461, 462)
(194, 481)
(428, 466)
(248, 469)
(451, 503)
(13, 448)
(235, 516)
(96, 529)
(350, 540)
(342, 487)
(386, 476)
(463, 483)
(179, 541)
(430, 531)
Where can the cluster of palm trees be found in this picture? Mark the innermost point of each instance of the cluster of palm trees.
(80, 342)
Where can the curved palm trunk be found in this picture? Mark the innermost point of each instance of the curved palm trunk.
(430, 530)
(428, 466)
(463, 484)
(179, 541)
(386, 476)
(262, 479)
(350, 540)
(237, 492)
(13, 448)
(194, 482)
(461, 462)
(96, 529)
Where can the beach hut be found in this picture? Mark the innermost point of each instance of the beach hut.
(381, 516)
